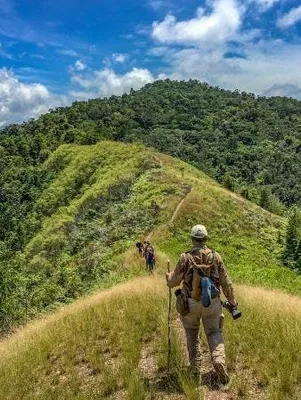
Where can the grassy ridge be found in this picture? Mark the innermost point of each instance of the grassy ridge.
(148, 186)
(85, 350)
(100, 199)
(96, 202)
(113, 345)
(249, 238)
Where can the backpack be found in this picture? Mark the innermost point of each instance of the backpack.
(202, 286)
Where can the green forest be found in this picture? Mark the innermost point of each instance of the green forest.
(251, 145)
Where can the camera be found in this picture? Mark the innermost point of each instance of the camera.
(232, 310)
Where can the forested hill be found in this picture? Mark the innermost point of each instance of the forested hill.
(247, 143)
(252, 145)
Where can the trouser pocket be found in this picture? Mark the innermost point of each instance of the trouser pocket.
(182, 305)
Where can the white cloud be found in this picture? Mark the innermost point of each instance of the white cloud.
(206, 28)
(79, 65)
(257, 69)
(284, 90)
(119, 57)
(159, 4)
(19, 101)
(68, 52)
(291, 18)
(264, 5)
(219, 52)
(106, 82)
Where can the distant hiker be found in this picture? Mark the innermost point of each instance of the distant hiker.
(149, 255)
(140, 248)
(202, 272)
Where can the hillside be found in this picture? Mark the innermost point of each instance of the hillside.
(249, 144)
(95, 201)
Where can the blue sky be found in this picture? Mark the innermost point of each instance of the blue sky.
(55, 52)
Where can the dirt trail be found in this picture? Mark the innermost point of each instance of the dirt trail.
(174, 215)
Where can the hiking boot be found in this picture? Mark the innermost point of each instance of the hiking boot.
(221, 373)
(210, 379)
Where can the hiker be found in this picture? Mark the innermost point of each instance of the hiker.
(149, 255)
(140, 248)
(202, 272)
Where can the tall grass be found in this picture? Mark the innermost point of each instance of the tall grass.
(92, 349)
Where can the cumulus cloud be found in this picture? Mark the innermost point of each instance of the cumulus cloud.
(214, 48)
(119, 57)
(284, 90)
(106, 82)
(19, 101)
(79, 65)
(217, 26)
(291, 18)
(261, 67)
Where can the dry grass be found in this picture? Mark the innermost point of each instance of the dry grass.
(267, 340)
(114, 344)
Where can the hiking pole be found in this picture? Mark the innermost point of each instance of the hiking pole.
(169, 321)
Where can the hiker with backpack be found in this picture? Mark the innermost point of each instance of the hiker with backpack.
(140, 248)
(149, 255)
(203, 273)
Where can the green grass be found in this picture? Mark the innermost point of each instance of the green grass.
(102, 199)
(97, 201)
(249, 238)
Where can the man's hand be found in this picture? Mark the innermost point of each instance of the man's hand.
(232, 301)
(168, 274)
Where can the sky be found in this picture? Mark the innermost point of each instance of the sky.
(55, 52)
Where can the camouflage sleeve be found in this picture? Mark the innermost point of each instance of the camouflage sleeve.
(224, 279)
(176, 277)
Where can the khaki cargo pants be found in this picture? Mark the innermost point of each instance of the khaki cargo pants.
(212, 319)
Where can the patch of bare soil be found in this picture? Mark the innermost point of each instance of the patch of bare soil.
(85, 370)
(119, 395)
(158, 382)
(147, 364)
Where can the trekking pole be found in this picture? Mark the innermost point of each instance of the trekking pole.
(169, 322)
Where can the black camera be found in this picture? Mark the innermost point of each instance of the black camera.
(232, 309)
